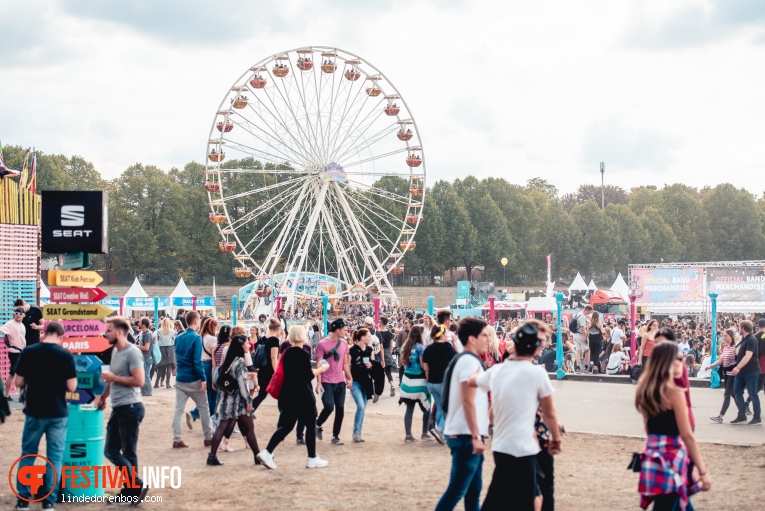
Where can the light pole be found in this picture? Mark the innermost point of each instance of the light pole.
(602, 185)
(714, 379)
(504, 263)
(559, 344)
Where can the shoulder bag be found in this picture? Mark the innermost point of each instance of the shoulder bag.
(226, 382)
(277, 380)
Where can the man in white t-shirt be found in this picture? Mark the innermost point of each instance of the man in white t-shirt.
(467, 418)
(518, 387)
(617, 336)
(444, 317)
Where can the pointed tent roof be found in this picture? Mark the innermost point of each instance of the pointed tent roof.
(181, 290)
(592, 286)
(578, 284)
(621, 287)
(136, 290)
(44, 291)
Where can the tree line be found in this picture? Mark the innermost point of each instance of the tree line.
(159, 224)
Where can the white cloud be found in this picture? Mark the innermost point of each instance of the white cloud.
(515, 89)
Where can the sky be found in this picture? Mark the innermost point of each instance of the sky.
(661, 91)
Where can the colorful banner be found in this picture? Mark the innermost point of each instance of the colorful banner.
(737, 284)
(203, 302)
(662, 285)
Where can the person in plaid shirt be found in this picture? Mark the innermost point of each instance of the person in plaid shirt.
(671, 451)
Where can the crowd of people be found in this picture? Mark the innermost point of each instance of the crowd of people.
(471, 382)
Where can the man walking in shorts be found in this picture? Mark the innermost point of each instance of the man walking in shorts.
(581, 343)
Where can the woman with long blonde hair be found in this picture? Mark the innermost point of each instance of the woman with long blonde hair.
(671, 451)
(166, 342)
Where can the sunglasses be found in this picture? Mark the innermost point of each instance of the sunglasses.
(19, 313)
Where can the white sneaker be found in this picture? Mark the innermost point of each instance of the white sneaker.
(267, 459)
(316, 462)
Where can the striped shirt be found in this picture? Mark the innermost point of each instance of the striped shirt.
(728, 358)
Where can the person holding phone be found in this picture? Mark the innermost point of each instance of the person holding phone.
(361, 371)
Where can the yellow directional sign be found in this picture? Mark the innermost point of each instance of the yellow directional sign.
(76, 311)
(74, 278)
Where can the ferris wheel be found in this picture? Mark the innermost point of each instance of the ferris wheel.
(315, 174)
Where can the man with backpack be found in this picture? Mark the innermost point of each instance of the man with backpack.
(467, 417)
(578, 327)
(332, 383)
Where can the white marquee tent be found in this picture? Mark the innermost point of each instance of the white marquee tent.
(136, 291)
(621, 287)
(592, 286)
(44, 291)
(181, 290)
(578, 284)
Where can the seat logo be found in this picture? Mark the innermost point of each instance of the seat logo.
(72, 216)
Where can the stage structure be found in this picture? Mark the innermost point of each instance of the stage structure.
(683, 288)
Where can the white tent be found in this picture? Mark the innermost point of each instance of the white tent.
(136, 290)
(592, 286)
(578, 284)
(621, 287)
(44, 291)
(542, 304)
(181, 290)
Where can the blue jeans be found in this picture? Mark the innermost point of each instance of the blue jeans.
(212, 395)
(748, 381)
(55, 439)
(122, 436)
(146, 389)
(435, 391)
(466, 476)
(360, 397)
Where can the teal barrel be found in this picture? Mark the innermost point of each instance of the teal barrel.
(84, 447)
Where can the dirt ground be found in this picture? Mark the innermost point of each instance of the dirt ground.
(384, 472)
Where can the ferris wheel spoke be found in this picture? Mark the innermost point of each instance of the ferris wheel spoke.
(346, 271)
(276, 172)
(303, 137)
(263, 236)
(361, 100)
(380, 192)
(364, 208)
(246, 126)
(275, 253)
(275, 115)
(263, 207)
(352, 150)
(265, 189)
(366, 251)
(378, 157)
(339, 141)
(363, 126)
(257, 153)
(300, 90)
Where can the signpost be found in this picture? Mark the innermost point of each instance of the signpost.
(76, 311)
(89, 382)
(86, 344)
(84, 328)
(76, 294)
(74, 278)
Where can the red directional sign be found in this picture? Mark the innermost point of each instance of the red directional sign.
(86, 344)
(76, 294)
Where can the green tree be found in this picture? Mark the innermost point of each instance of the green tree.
(642, 197)
(664, 244)
(635, 243)
(735, 225)
(682, 209)
(556, 229)
(460, 246)
(593, 251)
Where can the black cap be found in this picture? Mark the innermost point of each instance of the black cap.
(526, 339)
(337, 324)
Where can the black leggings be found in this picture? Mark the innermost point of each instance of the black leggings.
(728, 393)
(164, 373)
(225, 428)
(389, 373)
(263, 382)
(287, 420)
(596, 346)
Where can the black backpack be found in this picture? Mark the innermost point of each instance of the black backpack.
(574, 325)
(260, 358)
(444, 404)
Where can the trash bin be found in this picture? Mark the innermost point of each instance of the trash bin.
(84, 447)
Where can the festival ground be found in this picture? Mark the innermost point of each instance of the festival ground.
(384, 472)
